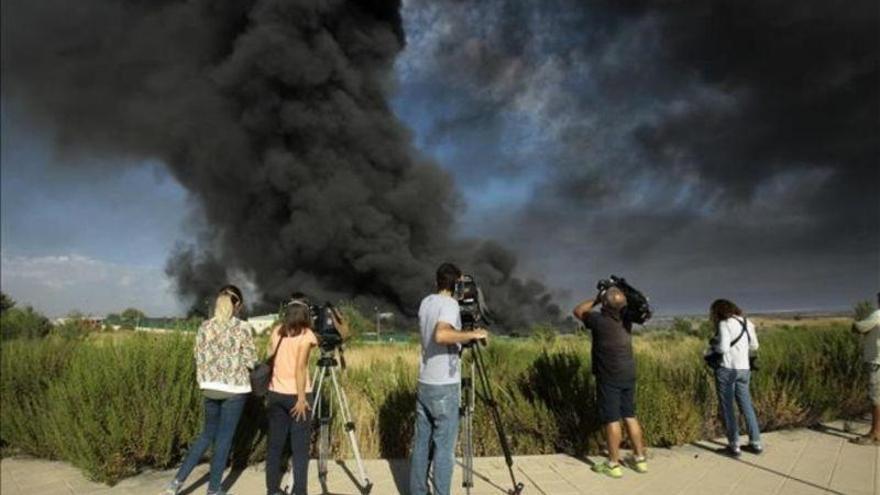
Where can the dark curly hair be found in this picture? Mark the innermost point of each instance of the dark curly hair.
(722, 309)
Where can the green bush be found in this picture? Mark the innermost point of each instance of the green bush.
(543, 334)
(75, 328)
(358, 323)
(23, 323)
(117, 403)
(682, 326)
(862, 310)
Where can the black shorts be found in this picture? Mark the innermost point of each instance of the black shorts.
(615, 401)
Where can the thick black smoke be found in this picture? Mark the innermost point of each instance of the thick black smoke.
(274, 116)
(704, 148)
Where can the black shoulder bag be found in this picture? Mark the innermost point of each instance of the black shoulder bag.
(261, 375)
(714, 358)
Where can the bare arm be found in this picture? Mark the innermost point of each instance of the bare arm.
(300, 409)
(446, 334)
(585, 307)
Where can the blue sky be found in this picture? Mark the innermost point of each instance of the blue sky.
(79, 239)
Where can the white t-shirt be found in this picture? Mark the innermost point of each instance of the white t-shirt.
(736, 357)
(440, 363)
(870, 329)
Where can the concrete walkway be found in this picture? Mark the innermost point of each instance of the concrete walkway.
(797, 462)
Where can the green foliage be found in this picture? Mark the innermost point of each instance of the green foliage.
(682, 326)
(131, 317)
(862, 310)
(705, 330)
(23, 323)
(116, 404)
(75, 328)
(358, 323)
(543, 334)
(6, 302)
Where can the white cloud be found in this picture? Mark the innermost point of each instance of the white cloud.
(59, 284)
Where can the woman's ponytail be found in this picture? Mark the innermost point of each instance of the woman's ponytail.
(227, 301)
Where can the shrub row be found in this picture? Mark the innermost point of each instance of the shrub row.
(114, 405)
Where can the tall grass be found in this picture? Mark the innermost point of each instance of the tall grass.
(114, 405)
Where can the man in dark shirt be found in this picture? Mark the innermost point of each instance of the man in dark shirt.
(615, 370)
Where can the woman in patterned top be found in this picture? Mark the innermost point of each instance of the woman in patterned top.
(224, 353)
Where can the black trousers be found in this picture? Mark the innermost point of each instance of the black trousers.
(282, 424)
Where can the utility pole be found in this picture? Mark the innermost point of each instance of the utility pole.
(378, 325)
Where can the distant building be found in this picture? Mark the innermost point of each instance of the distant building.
(263, 322)
(94, 321)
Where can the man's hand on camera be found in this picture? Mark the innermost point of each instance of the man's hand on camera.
(341, 323)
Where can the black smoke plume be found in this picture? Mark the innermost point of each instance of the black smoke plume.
(274, 116)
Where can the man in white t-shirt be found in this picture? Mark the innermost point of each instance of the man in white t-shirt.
(437, 404)
(869, 328)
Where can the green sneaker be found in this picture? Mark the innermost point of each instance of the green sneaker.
(606, 468)
(637, 464)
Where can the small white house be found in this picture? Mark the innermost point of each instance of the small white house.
(263, 322)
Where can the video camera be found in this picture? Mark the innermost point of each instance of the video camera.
(637, 309)
(328, 335)
(323, 324)
(472, 306)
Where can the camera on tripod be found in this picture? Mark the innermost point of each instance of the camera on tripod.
(637, 309)
(475, 314)
(472, 306)
(324, 320)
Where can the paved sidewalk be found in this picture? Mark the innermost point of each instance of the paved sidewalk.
(797, 462)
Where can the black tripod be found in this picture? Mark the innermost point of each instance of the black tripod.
(327, 364)
(469, 395)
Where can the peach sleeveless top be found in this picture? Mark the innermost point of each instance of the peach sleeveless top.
(284, 373)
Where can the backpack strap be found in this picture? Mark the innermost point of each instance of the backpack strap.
(271, 359)
(745, 331)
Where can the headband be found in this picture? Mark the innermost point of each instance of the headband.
(231, 294)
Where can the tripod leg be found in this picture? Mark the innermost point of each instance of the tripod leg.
(324, 418)
(467, 411)
(350, 429)
(316, 395)
(489, 398)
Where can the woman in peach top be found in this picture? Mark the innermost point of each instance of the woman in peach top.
(289, 396)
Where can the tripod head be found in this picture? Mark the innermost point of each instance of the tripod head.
(328, 357)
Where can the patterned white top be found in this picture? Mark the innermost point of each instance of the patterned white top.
(224, 352)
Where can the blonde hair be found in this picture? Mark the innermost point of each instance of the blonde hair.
(225, 305)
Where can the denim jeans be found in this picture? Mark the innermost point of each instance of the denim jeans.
(282, 424)
(221, 418)
(436, 431)
(733, 385)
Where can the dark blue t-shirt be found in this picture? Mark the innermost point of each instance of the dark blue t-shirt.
(612, 353)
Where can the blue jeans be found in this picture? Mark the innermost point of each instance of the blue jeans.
(733, 385)
(436, 432)
(221, 418)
